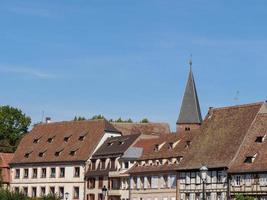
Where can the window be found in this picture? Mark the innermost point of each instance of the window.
(187, 143)
(250, 159)
(126, 165)
(41, 154)
(26, 155)
(34, 192)
(43, 175)
(187, 129)
(110, 143)
(237, 180)
(91, 183)
(100, 182)
(52, 172)
(76, 193)
(260, 139)
(73, 152)
(42, 193)
(170, 145)
(16, 189)
(93, 164)
(26, 173)
(52, 190)
(156, 148)
(121, 142)
(61, 192)
(112, 163)
(17, 175)
(35, 141)
(25, 191)
(51, 139)
(57, 153)
(219, 176)
(154, 182)
(81, 138)
(76, 171)
(219, 196)
(102, 164)
(66, 139)
(34, 173)
(62, 172)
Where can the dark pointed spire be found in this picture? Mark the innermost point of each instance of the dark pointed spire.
(190, 112)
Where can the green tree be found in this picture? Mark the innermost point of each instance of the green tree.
(98, 117)
(13, 124)
(241, 197)
(79, 118)
(145, 120)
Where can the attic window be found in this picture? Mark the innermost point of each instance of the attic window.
(250, 159)
(57, 153)
(50, 140)
(26, 155)
(170, 145)
(188, 142)
(73, 152)
(156, 148)
(121, 142)
(66, 139)
(260, 139)
(110, 143)
(36, 140)
(81, 138)
(187, 128)
(41, 154)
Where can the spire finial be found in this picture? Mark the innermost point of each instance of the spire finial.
(190, 61)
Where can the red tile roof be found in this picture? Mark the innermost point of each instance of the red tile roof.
(79, 136)
(142, 128)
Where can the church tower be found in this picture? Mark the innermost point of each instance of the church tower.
(190, 113)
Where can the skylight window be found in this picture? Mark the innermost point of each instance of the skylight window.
(250, 159)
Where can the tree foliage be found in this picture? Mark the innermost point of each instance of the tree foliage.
(98, 117)
(79, 118)
(13, 124)
(241, 197)
(145, 120)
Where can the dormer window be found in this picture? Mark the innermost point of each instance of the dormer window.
(188, 142)
(57, 153)
(156, 148)
(81, 138)
(50, 140)
(110, 143)
(121, 142)
(36, 140)
(26, 155)
(41, 154)
(260, 139)
(66, 139)
(73, 152)
(250, 159)
(170, 145)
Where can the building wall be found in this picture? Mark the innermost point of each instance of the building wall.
(191, 185)
(68, 182)
(157, 186)
(250, 184)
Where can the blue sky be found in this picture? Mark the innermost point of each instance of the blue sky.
(129, 58)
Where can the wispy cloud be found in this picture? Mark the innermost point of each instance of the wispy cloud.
(25, 71)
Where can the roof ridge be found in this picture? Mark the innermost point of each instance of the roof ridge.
(239, 106)
(71, 121)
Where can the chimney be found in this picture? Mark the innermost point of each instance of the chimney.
(48, 120)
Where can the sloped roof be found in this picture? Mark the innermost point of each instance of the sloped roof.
(142, 128)
(115, 145)
(91, 132)
(190, 112)
(5, 158)
(250, 147)
(222, 133)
